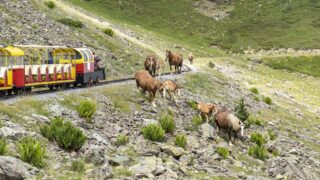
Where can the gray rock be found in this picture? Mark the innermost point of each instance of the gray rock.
(119, 160)
(207, 131)
(149, 121)
(14, 132)
(94, 155)
(173, 151)
(146, 167)
(13, 169)
(40, 118)
(102, 172)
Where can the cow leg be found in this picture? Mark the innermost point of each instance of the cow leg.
(138, 84)
(229, 137)
(152, 95)
(164, 92)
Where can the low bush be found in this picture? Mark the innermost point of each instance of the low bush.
(67, 135)
(3, 147)
(78, 166)
(180, 140)
(109, 32)
(192, 104)
(167, 123)
(211, 64)
(32, 151)
(272, 135)
(50, 4)
(252, 120)
(86, 109)
(121, 140)
(254, 90)
(267, 100)
(258, 152)
(197, 120)
(71, 22)
(153, 132)
(257, 138)
(256, 98)
(241, 111)
(223, 152)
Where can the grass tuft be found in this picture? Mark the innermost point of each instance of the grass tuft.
(109, 32)
(78, 166)
(242, 111)
(272, 135)
(258, 152)
(192, 104)
(86, 109)
(267, 100)
(153, 132)
(32, 151)
(4, 150)
(167, 123)
(257, 138)
(121, 140)
(254, 90)
(180, 140)
(50, 4)
(71, 22)
(223, 152)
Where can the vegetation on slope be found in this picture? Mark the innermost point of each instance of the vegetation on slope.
(257, 24)
(305, 65)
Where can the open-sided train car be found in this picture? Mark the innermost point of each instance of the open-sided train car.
(25, 67)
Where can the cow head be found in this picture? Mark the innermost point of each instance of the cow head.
(167, 54)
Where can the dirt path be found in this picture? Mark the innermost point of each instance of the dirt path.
(83, 15)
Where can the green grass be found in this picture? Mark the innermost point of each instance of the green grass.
(121, 140)
(109, 32)
(258, 152)
(86, 109)
(223, 152)
(257, 138)
(32, 151)
(256, 24)
(71, 22)
(267, 100)
(254, 90)
(153, 132)
(167, 123)
(50, 4)
(4, 149)
(272, 135)
(120, 172)
(303, 64)
(180, 140)
(78, 166)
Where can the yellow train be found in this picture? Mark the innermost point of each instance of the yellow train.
(23, 67)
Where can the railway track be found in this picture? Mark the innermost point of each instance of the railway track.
(44, 91)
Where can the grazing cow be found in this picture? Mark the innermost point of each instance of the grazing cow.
(227, 121)
(150, 64)
(145, 81)
(175, 59)
(205, 110)
(160, 67)
(171, 87)
(190, 57)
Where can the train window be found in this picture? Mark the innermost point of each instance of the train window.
(90, 55)
(84, 56)
(2, 61)
(78, 55)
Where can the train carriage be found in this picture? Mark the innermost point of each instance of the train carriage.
(23, 67)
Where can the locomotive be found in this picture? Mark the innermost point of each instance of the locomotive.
(25, 67)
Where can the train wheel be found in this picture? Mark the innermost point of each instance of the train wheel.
(51, 87)
(9, 92)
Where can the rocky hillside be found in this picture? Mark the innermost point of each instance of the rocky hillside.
(100, 132)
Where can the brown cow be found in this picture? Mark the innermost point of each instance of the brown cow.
(227, 121)
(205, 110)
(190, 57)
(150, 64)
(175, 59)
(145, 81)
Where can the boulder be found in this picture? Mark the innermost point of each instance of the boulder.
(173, 151)
(147, 167)
(14, 133)
(94, 155)
(102, 172)
(207, 131)
(13, 169)
(119, 160)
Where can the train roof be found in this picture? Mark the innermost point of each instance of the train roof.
(13, 51)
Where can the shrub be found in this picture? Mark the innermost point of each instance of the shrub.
(86, 109)
(258, 152)
(267, 100)
(223, 152)
(211, 64)
(192, 104)
(167, 123)
(252, 120)
(180, 140)
(121, 140)
(31, 151)
(197, 120)
(3, 147)
(257, 138)
(256, 98)
(153, 132)
(71, 22)
(67, 135)
(77, 166)
(241, 111)
(254, 90)
(109, 32)
(272, 135)
(50, 4)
